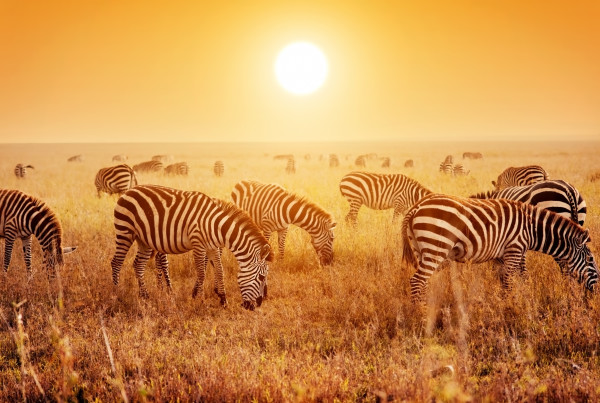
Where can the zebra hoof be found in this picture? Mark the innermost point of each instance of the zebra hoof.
(194, 292)
(248, 305)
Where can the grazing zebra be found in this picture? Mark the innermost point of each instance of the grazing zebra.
(219, 168)
(520, 176)
(409, 164)
(442, 227)
(274, 209)
(360, 161)
(75, 158)
(557, 196)
(117, 179)
(120, 157)
(473, 156)
(290, 167)
(459, 170)
(162, 158)
(22, 216)
(334, 161)
(386, 162)
(380, 192)
(21, 170)
(283, 157)
(170, 221)
(178, 168)
(446, 166)
(148, 166)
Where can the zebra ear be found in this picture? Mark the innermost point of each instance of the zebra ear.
(584, 237)
(333, 225)
(265, 252)
(494, 183)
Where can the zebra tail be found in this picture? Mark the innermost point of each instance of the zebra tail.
(408, 255)
(574, 204)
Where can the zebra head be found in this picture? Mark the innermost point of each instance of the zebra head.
(252, 278)
(53, 256)
(581, 263)
(322, 241)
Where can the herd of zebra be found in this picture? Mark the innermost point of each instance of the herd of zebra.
(526, 211)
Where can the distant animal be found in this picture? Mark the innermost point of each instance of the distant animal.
(334, 161)
(148, 166)
(472, 155)
(21, 170)
(290, 167)
(170, 221)
(219, 168)
(520, 176)
(75, 158)
(360, 161)
(116, 179)
(164, 158)
(594, 177)
(178, 168)
(409, 164)
(510, 229)
(120, 157)
(307, 157)
(386, 162)
(380, 192)
(274, 209)
(283, 157)
(459, 170)
(23, 216)
(446, 166)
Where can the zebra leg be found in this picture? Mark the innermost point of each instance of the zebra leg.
(27, 253)
(200, 260)
(162, 267)
(418, 281)
(139, 265)
(123, 244)
(215, 257)
(8, 246)
(514, 261)
(353, 213)
(398, 210)
(281, 241)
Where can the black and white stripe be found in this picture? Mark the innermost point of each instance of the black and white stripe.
(520, 176)
(446, 166)
(178, 168)
(117, 179)
(170, 221)
(21, 170)
(274, 209)
(148, 166)
(290, 167)
(380, 192)
(22, 216)
(219, 168)
(442, 227)
(459, 170)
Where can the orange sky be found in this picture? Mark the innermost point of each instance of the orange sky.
(203, 71)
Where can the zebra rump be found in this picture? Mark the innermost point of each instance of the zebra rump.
(148, 166)
(179, 168)
(219, 168)
(21, 170)
(520, 176)
(116, 179)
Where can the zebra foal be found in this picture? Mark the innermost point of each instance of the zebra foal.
(442, 227)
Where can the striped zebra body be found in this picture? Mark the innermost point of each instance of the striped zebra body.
(380, 192)
(386, 162)
(557, 196)
(361, 161)
(23, 216)
(520, 176)
(219, 168)
(459, 170)
(179, 168)
(148, 166)
(442, 227)
(446, 166)
(170, 221)
(290, 167)
(120, 158)
(164, 158)
(274, 209)
(21, 170)
(117, 179)
(334, 161)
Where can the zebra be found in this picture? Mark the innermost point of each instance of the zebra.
(446, 165)
(170, 221)
(334, 161)
(554, 195)
(162, 158)
(290, 167)
(148, 166)
(283, 156)
(520, 176)
(360, 161)
(459, 170)
(120, 158)
(21, 170)
(441, 227)
(219, 168)
(380, 192)
(472, 155)
(75, 158)
(409, 164)
(23, 216)
(386, 162)
(178, 168)
(273, 208)
(116, 179)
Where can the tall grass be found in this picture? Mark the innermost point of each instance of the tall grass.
(346, 332)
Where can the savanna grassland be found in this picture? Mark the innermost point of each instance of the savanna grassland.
(346, 332)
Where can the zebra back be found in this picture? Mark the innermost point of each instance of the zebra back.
(219, 168)
(115, 179)
(520, 176)
(148, 166)
(179, 168)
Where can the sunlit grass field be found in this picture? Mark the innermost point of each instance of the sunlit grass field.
(347, 332)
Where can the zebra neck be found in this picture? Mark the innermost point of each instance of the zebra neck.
(548, 233)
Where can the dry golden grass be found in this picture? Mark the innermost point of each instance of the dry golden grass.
(346, 332)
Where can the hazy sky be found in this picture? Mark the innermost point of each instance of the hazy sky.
(203, 71)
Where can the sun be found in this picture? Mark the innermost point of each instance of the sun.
(301, 68)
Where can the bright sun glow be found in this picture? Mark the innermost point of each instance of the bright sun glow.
(301, 68)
